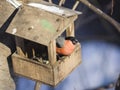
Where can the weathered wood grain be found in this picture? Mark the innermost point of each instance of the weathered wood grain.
(52, 52)
(46, 73)
(6, 81)
(6, 10)
(42, 26)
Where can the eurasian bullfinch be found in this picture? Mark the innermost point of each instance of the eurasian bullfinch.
(65, 46)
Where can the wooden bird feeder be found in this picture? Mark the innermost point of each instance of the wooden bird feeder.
(36, 29)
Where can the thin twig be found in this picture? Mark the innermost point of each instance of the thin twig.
(61, 2)
(102, 14)
(112, 6)
(75, 5)
(50, 1)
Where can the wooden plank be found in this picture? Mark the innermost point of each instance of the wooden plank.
(6, 81)
(6, 9)
(32, 69)
(41, 27)
(61, 11)
(65, 67)
(52, 52)
(27, 1)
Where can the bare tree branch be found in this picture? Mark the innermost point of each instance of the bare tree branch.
(102, 14)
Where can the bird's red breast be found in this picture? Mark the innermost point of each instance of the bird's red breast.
(67, 49)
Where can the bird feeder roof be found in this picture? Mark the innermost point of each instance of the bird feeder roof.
(6, 9)
(41, 22)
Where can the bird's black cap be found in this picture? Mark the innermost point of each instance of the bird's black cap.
(73, 39)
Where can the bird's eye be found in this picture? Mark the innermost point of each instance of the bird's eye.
(75, 41)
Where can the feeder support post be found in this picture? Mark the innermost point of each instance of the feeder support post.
(37, 85)
(20, 46)
(70, 30)
(52, 52)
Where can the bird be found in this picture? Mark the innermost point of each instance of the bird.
(65, 45)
